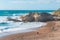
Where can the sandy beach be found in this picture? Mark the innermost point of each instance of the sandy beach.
(49, 32)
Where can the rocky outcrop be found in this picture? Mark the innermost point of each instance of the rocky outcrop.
(27, 18)
(31, 17)
(44, 17)
(37, 17)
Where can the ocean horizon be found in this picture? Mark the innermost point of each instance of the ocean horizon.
(17, 12)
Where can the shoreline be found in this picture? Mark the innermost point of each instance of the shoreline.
(43, 33)
(16, 32)
(23, 30)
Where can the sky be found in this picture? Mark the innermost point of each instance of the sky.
(29, 4)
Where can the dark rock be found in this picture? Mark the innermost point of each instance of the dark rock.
(44, 17)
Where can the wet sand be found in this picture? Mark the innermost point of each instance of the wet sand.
(49, 32)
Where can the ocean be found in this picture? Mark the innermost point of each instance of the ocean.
(17, 12)
(10, 27)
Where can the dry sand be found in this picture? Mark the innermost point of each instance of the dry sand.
(49, 32)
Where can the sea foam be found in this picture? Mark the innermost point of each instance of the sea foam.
(10, 27)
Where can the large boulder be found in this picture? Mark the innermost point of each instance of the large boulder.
(44, 17)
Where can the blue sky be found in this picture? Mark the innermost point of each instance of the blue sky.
(29, 4)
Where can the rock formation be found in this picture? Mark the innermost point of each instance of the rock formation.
(44, 17)
(27, 18)
(37, 17)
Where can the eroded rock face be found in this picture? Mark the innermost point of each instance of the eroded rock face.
(37, 17)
